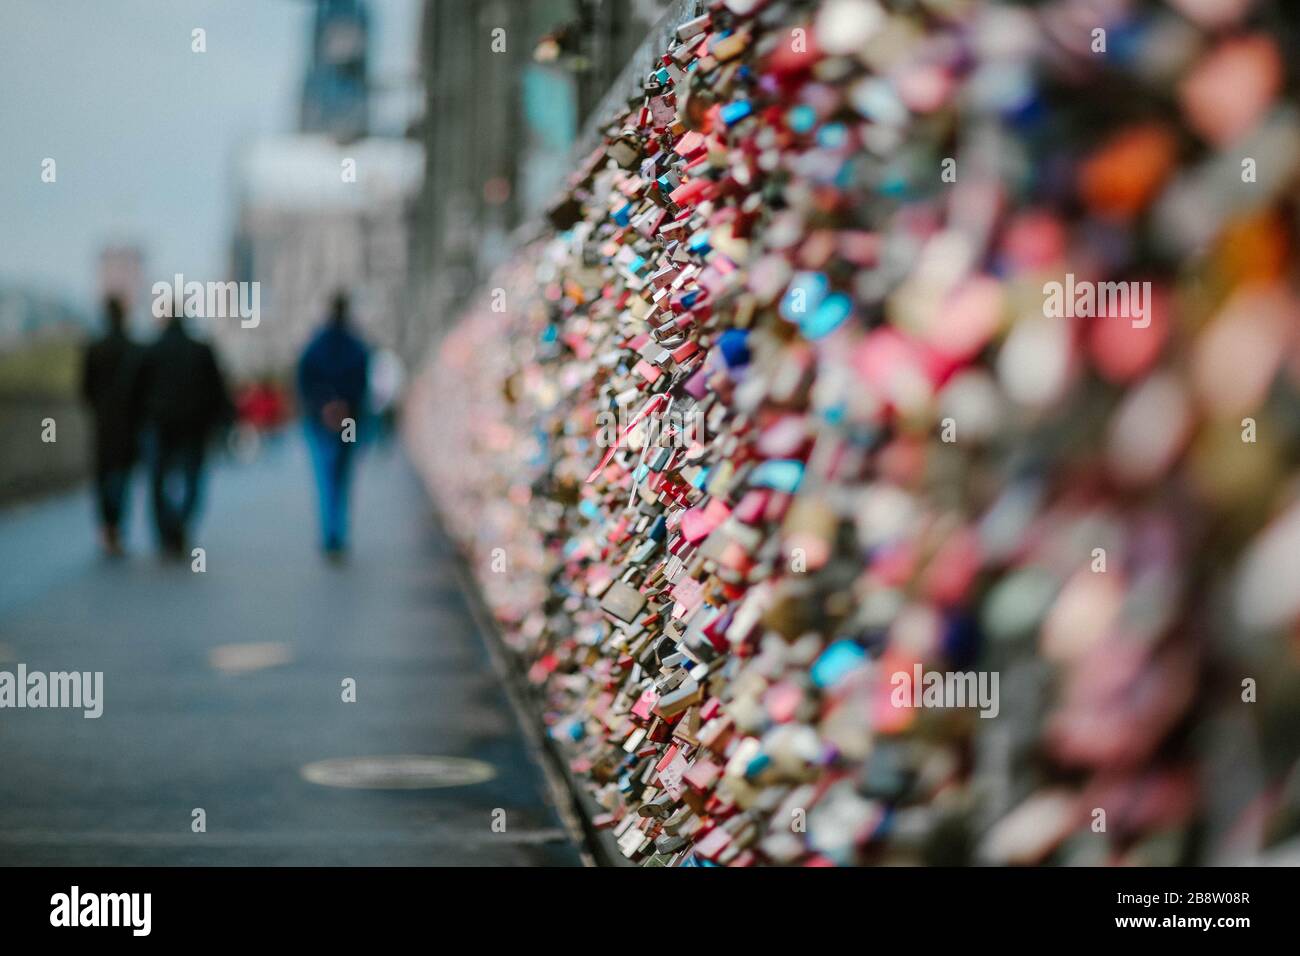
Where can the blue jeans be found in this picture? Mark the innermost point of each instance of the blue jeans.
(111, 485)
(177, 472)
(331, 459)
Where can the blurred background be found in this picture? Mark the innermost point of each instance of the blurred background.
(225, 165)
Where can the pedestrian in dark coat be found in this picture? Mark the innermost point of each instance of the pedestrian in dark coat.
(184, 402)
(109, 376)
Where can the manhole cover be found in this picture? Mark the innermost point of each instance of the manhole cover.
(402, 772)
(246, 658)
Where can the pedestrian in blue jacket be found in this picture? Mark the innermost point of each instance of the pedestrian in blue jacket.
(332, 388)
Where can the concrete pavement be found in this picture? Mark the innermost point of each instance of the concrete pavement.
(179, 734)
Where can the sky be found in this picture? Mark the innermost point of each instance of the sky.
(144, 132)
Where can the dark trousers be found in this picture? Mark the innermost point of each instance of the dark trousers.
(332, 460)
(111, 484)
(176, 465)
